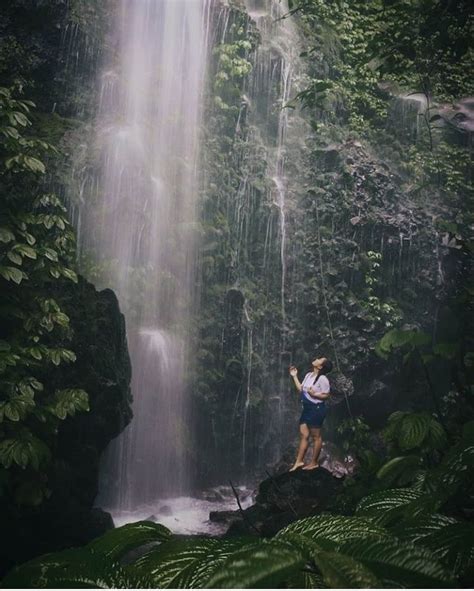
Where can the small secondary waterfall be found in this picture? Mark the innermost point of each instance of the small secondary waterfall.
(277, 71)
(143, 229)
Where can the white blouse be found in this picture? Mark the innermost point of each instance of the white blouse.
(321, 387)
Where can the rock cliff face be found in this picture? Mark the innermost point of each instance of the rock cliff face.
(102, 368)
(354, 252)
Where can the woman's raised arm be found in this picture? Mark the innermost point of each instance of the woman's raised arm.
(294, 375)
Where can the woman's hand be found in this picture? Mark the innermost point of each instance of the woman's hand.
(293, 371)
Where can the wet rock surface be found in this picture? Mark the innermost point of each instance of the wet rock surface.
(102, 369)
(282, 499)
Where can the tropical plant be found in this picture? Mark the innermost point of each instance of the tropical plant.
(385, 544)
(36, 256)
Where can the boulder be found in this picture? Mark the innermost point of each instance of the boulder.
(284, 498)
(67, 518)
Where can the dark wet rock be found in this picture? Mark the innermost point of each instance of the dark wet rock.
(342, 388)
(328, 157)
(152, 518)
(102, 369)
(339, 463)
(224, 516)
(284, 498)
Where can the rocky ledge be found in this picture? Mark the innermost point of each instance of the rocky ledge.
(282, 499)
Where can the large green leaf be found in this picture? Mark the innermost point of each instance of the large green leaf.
(413, 430)
(13, 274)
(453, 545)
(402, 469)
(390, 505)
(397, 338)
(335, 528)
(187, 563)
(454, 470)
(383, 501)
(391, 561)
(24, 451)
(79, 568)
(418, 529)
(17, 407)
(262, 566)
(340, 571)
(117, 542)
(68, 402)
(6, 235)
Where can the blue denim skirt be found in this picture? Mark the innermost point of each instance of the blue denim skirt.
(313, 414)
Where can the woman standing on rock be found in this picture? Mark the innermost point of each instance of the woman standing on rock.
(314, 391)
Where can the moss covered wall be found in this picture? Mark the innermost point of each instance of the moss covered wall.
(367, 247)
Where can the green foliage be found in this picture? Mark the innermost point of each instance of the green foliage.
(354, 434)
(384, 312)
(117, 542)
(397, 338)
(266, 566)
(36, 254)
(332, 551)
(333, 528)
(419, 45)
(388, 506)
(84, 569)
(407, 431)
(187, 563)
(232, 67)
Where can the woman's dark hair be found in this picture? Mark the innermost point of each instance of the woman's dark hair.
(326, 368)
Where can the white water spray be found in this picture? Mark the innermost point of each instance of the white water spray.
(142, 230)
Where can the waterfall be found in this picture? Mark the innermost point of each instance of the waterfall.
(275, 79)
(139, 227)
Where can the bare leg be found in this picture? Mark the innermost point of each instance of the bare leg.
(304, 442)
(317, 444)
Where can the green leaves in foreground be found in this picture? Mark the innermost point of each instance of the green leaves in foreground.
(322, 551)
(117, 542)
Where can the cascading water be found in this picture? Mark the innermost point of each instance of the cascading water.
(277, 70)
(140, 226)
(143, 230)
